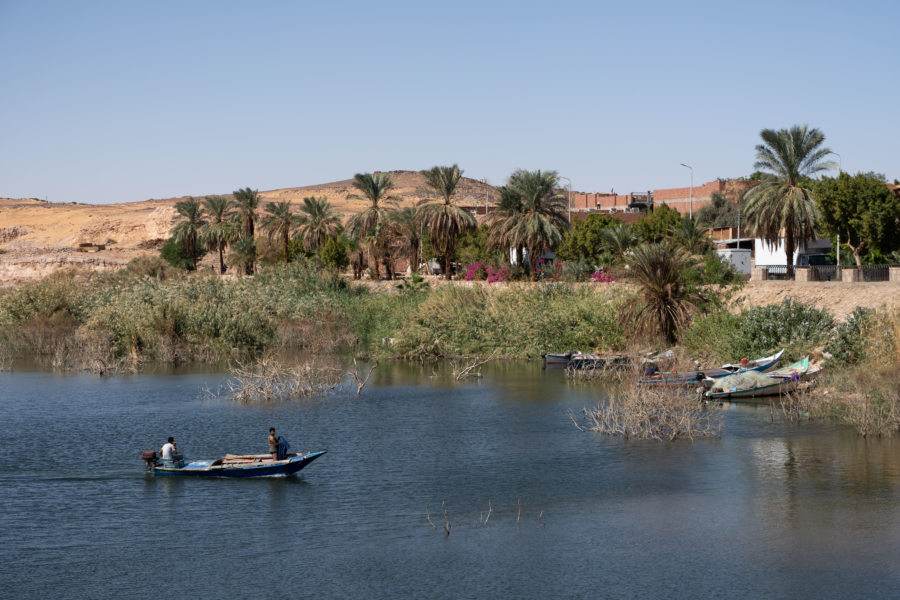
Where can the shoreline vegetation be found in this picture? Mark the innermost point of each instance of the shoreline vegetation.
(119, 322)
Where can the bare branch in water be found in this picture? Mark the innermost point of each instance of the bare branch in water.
(467, 371)
(268, 380)
(361, 383)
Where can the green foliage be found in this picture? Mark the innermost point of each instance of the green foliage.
(174, 253)
(848, 347)
(862, 210)
(334, 255)
(583, 242)
(151, 266)
(657, 225)
(454, 321)
(718, 213)
(473, 248)
(761, 330)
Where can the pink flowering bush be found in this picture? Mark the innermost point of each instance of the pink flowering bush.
(496, 274)
(480, 271)
(601, 276)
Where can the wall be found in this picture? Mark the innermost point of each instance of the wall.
(766, 255)
(676, 198)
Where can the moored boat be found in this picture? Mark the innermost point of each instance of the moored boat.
(759, 385)
(698, 376)
(231, 465)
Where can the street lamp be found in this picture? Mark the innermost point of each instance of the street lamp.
(569, 201)
(691, 208)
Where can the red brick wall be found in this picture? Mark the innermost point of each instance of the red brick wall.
(676, 198)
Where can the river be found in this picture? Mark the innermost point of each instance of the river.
(770, 510)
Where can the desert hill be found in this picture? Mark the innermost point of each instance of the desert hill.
(38, 237)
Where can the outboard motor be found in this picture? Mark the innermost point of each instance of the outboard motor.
(150, 459)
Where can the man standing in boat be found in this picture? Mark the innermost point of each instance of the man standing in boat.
(273, 443)
(169, 449)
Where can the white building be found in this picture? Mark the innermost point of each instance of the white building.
(767, 255)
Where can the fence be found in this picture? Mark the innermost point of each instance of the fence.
(831, 272)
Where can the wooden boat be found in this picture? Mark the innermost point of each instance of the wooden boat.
(800, 367)
(743, 385)
(558, 359)
(680, 378)
(231, 465)
(599, 361)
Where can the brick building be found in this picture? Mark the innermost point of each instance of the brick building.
(676, 198)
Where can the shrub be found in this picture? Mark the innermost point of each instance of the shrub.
(792, 325)
(848, 346)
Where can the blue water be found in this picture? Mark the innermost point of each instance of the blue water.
(770, 510)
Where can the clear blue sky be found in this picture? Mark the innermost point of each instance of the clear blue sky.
(124, 101)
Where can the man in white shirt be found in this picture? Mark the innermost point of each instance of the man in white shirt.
(169, 449)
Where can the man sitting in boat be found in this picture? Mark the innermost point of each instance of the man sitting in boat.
(273, 443)
(169, 449)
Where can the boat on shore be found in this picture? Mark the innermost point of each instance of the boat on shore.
(759, 385)
(697, 377)
(231, 465)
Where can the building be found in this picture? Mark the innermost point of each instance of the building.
(675, 198)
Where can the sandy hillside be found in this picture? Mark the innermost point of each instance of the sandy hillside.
(37, 237)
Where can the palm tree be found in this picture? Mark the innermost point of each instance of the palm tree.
(243, 255)
(406, 233)
(539, 224)
(246, 201)
(187, 223)
(692, 236)
(619, 240)
(665, 302)
(444, 221)
(366, 226)
(219, 228)
(318, 221)
(779, 205)
(278, 223)
(509, 205)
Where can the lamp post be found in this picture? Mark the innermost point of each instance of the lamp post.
(691, 208)
(569, 201)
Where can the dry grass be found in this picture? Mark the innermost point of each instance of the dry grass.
(649, 413)
(270, 380)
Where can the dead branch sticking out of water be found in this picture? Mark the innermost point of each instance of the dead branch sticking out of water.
(468, 370)
(361, 383)
(268, 380)
(649, 412)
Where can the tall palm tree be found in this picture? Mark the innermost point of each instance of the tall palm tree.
(406, 234)
(619, 240)
(444, 220)
(366, 226)
(219, 228)
(542, 219)
(665, 302)
(279, 222)
(318, 221)
(779, 205)
(246, 201)
(509, 205)
(186, 229)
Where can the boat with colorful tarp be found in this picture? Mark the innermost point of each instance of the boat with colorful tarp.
(681, 378)
(757, 385)
(231, 465)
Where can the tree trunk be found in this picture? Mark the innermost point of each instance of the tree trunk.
(448, 258)
(533, 258)
(789, 247)
(287, 256)
(221, 260)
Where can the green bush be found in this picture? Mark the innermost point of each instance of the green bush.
(848, 347)
(517, 321)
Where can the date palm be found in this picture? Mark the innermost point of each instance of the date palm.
(444, 221)
(186, 229)
(779, 206)
(318, 221)
(619, 240)
(366, 226)
(243, 255)
(278, 223)
(246, 202)
(219, 229)
(692, 236)
(509, 204)
(542, 219)
(406, 234)
(665, 301)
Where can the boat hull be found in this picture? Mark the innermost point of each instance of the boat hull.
(208, 468)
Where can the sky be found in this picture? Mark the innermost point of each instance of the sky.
(125, 101)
